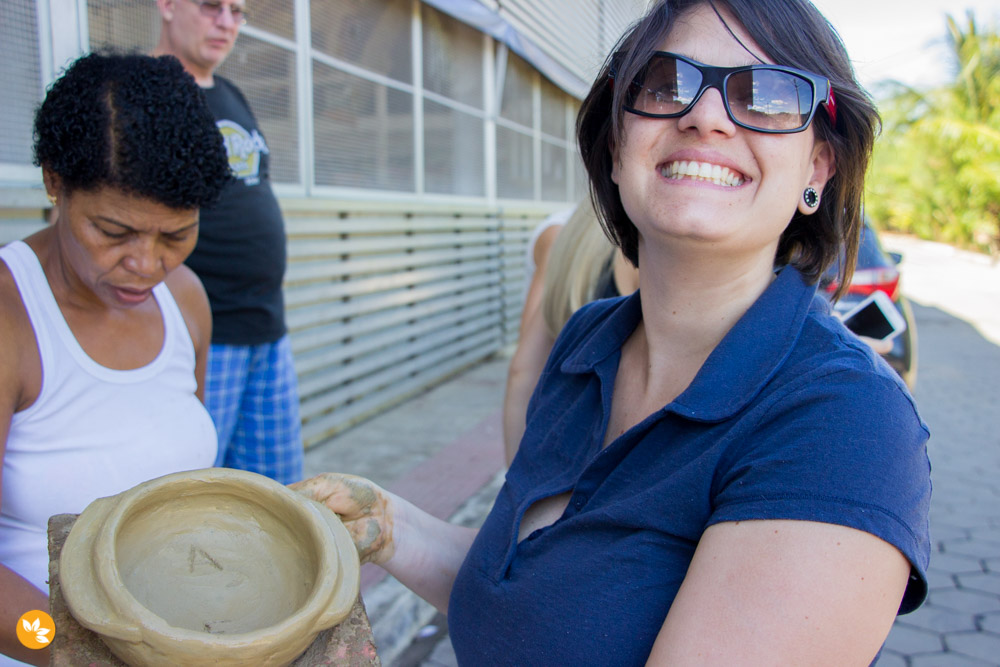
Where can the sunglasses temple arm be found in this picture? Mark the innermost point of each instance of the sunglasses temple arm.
(831, 106)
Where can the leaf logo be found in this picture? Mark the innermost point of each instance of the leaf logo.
(35, 629)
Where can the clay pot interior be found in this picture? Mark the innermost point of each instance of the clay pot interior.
(212, 567)
(216, 563)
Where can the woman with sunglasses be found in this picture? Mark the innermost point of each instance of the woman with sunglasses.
(714, 470)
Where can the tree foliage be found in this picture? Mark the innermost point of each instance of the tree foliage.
(936, 169)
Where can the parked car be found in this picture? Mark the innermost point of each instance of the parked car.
(878, 270)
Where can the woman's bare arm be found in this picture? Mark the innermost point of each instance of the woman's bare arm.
(533, 347)
(783, 593)
(18, 595)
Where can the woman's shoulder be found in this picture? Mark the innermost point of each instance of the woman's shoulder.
(828, 346)
(831, 371)
(19, 349)
(189, 294)
(15, 314)
(184, 284)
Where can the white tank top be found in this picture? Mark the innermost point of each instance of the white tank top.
(92, 431)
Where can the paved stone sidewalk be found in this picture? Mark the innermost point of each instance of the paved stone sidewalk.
(956, 301)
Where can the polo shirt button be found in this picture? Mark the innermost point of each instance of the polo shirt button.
(579, 503)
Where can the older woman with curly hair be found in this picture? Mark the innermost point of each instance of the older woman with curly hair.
(104, 331)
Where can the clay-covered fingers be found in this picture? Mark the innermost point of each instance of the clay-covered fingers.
(363, 506)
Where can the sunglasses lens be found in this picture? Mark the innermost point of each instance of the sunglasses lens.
(769, 99)
(666, 86)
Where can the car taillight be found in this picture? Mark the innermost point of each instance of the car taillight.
(866, 281)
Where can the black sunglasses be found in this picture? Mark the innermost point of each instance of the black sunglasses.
(765, 98)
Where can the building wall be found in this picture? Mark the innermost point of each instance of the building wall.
(412, 155)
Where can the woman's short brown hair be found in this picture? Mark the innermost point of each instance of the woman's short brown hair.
(792, 33)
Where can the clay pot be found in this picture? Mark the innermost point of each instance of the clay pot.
(209, 567)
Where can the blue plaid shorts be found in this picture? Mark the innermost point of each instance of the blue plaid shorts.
(252, 394)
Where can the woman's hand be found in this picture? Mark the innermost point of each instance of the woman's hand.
(880, 346)
(365, 508)
(420, 550)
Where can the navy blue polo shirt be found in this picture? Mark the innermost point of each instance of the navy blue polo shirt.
(791, 417)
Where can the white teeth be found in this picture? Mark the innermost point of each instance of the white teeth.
(702, 171)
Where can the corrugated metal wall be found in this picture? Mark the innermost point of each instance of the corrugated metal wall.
(385, 301)
(576, 33)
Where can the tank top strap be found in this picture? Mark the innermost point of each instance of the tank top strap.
(175, 329)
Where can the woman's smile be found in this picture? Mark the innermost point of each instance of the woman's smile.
(704, 172)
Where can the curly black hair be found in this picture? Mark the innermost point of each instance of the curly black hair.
(136, 123)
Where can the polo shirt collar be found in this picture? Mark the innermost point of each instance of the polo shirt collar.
(739, 367)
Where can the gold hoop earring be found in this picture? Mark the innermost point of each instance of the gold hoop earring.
(52, 199)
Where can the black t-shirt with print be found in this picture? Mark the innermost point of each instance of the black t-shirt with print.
(240, 256)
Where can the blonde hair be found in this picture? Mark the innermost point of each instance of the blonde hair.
(580, 255)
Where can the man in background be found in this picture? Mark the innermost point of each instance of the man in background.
(250, 389)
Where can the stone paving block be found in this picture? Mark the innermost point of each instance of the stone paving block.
(908, 640)
(961, 519)
(990, 623)
(944, 532)
(979, 548)
(443, 655)
(938, 619)
(938, 579)
(973, 496)
(989, 534)
(890, 659)
(981, 645)
(956, 564)
(947, 660)
(984, 583)
(971, 602)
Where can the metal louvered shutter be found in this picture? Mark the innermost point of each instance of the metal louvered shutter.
(578, 34)
(20, 72)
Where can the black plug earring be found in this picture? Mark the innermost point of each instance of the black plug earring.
(811, 197)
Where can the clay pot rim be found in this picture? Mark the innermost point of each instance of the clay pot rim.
(212, 481)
